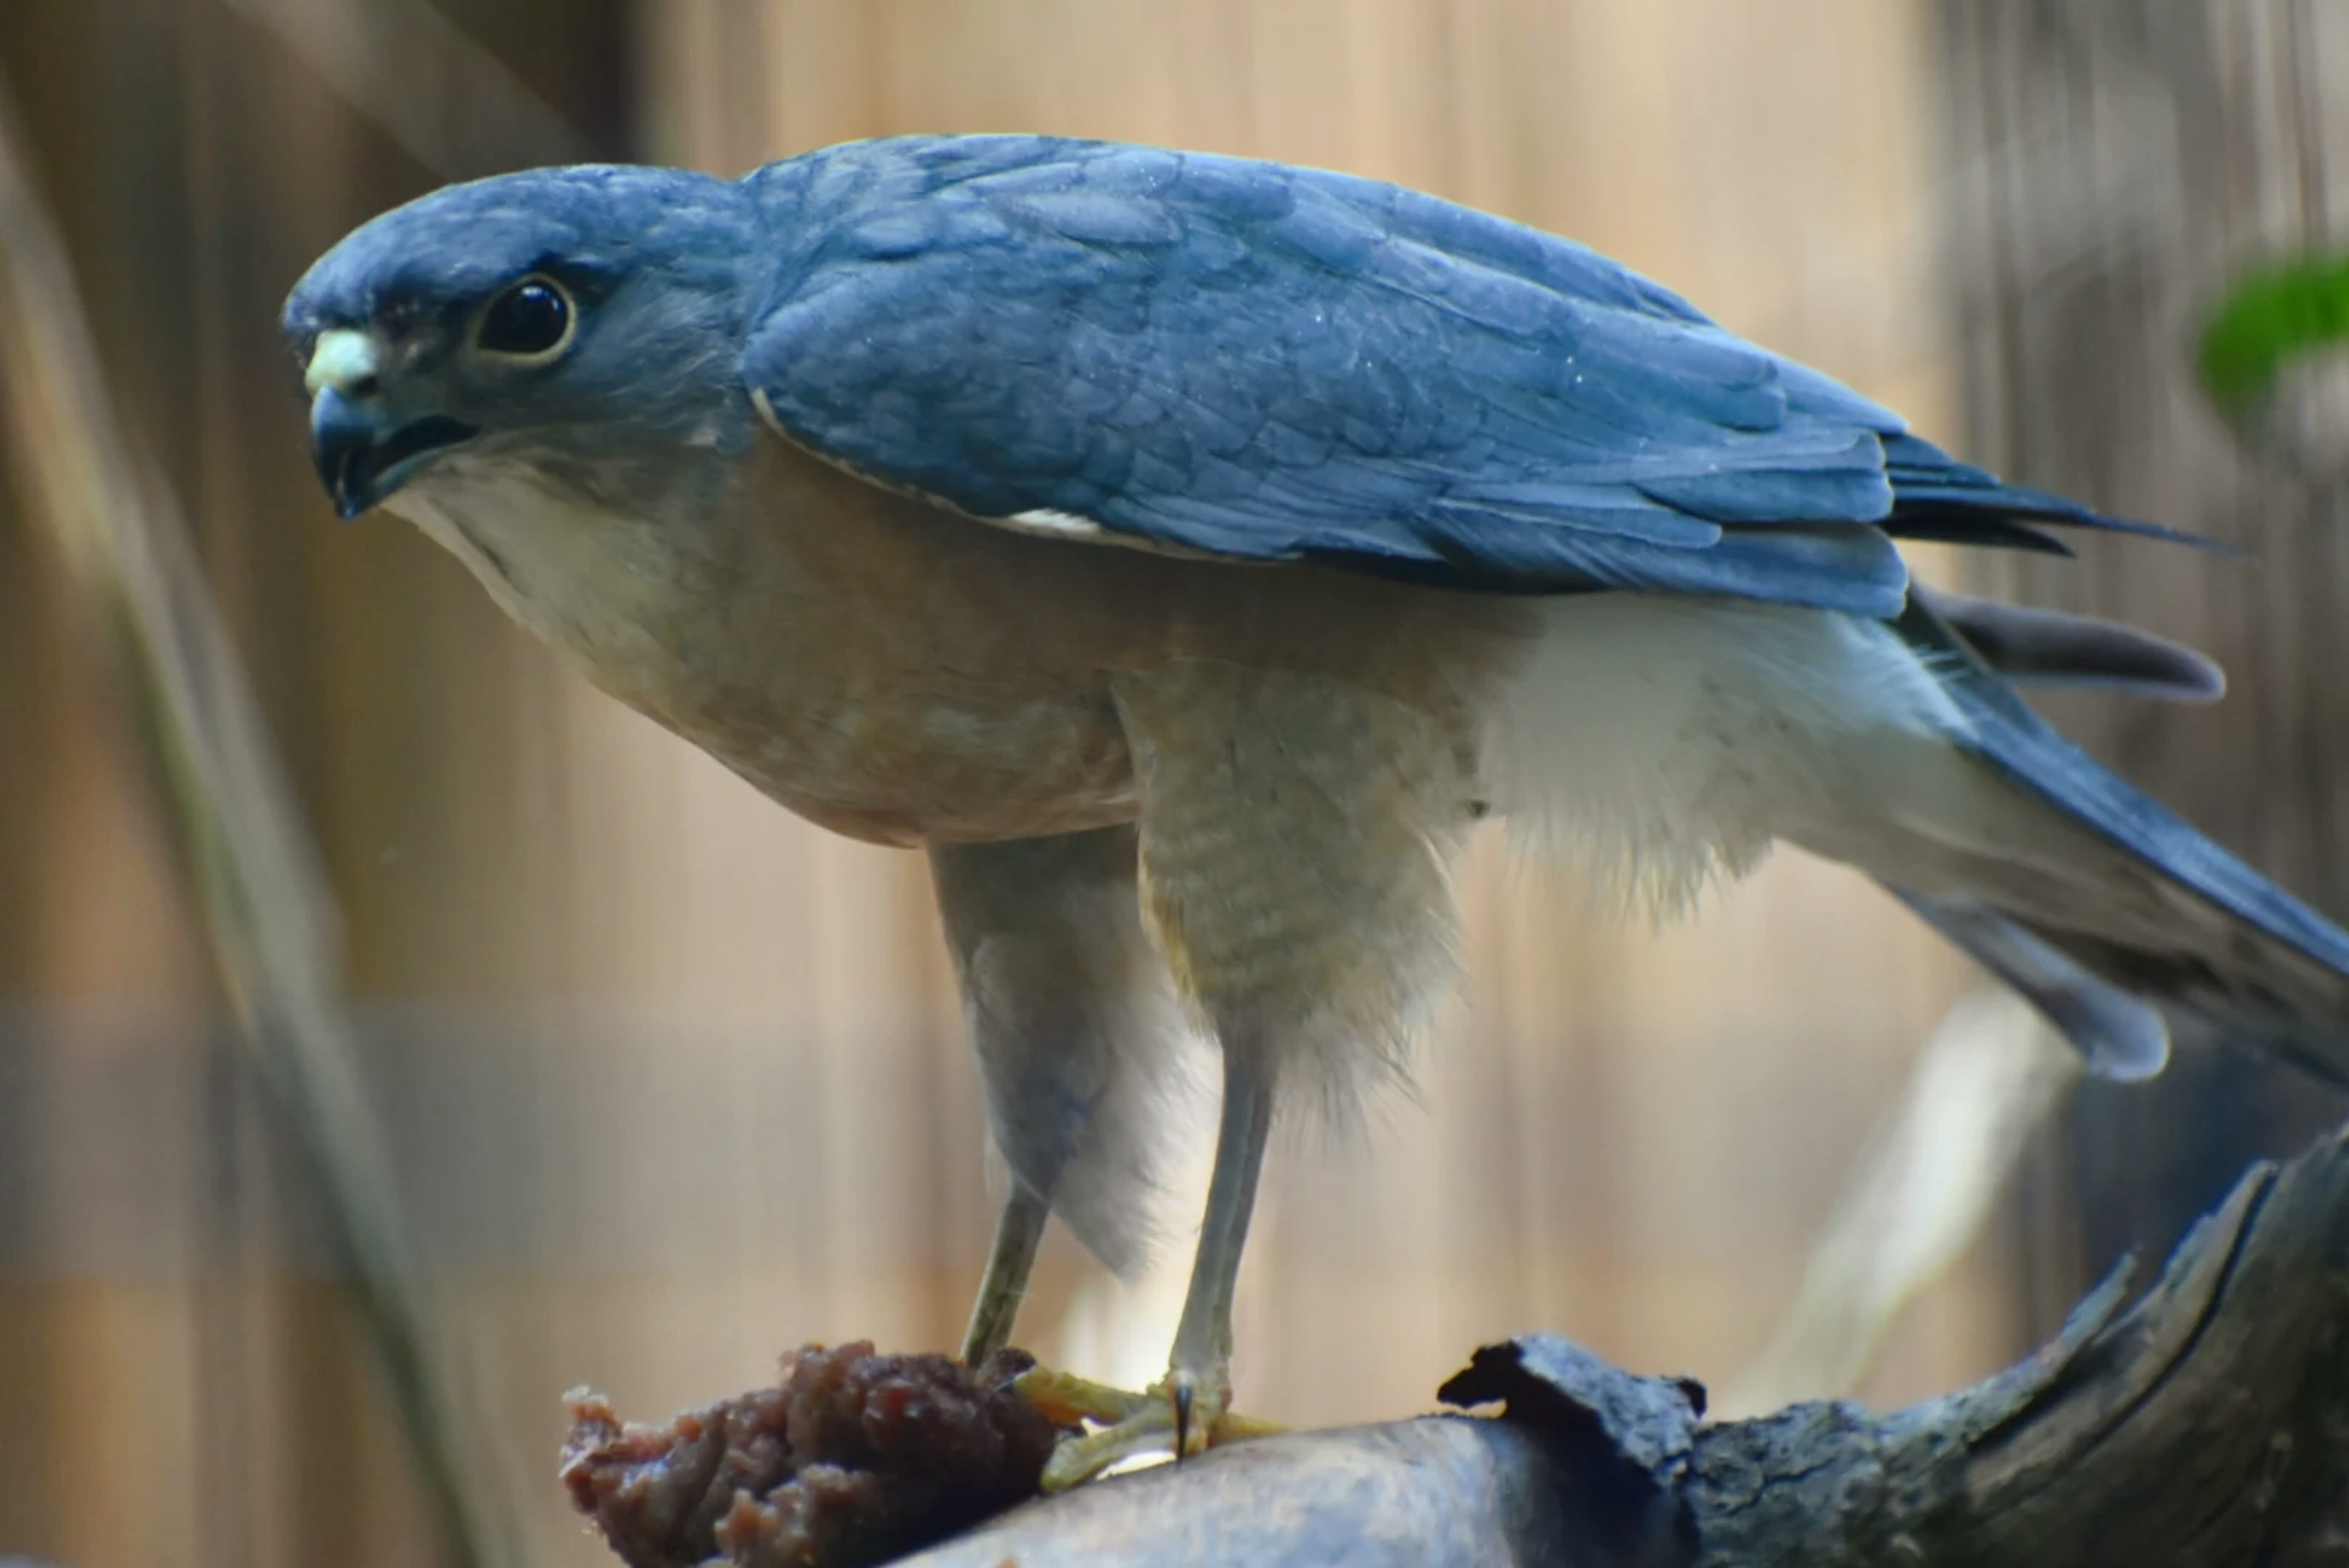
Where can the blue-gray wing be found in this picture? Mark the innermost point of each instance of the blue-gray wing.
(1273, 364)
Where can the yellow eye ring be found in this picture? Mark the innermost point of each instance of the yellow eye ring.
(530, 322)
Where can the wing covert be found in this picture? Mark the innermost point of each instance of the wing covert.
(1274, 364)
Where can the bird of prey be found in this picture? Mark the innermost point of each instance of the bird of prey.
(1185, 553)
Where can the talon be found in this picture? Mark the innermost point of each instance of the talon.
(1178, 1419)
(1068, 1401)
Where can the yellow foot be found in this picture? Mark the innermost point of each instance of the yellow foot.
(1179, 1417)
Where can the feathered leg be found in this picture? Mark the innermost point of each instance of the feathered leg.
(1295, 837)
(1076, 1032)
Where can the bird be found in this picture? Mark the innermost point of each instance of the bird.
(1188, 552)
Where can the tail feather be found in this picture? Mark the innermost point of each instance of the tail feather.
(2083, 891)
(2048, 647)
(2005, 732)
(1666, 741)
(2122, 1036)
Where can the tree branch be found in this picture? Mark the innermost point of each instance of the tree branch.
(2206, 1424)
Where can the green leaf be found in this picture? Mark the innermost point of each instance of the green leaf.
(2268, 317)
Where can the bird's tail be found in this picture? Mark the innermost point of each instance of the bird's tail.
(2098, 905)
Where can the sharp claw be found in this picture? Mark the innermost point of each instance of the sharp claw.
(1128, 1425)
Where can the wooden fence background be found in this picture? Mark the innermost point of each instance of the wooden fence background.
(675, 1080)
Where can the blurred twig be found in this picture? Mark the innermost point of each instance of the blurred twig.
(231, 819)
(449, 104)
(1992, 1072)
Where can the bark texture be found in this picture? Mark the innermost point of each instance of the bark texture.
(2206, 1423)
(2203, 1423)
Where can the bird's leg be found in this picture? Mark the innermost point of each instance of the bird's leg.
(1071, 1016)
(1294, 867)
(1018, 1229)
(1191, 1410)
(1200, 1376)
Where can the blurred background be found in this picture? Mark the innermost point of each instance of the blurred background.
(668, 1082)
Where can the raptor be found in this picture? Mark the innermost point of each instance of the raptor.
(1186, 552)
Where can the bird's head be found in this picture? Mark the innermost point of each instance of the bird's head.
(566, 315)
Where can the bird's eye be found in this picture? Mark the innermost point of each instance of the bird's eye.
(532, 320)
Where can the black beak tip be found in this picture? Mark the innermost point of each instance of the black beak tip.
(360, 462)
(343, 472)
(343, 446)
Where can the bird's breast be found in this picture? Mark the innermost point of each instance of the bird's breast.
(843, 669)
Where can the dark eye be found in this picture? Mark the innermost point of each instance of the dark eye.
(530, 320)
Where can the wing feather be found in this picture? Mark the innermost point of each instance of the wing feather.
(1268, 362)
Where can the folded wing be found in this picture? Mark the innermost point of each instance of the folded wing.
(1265, 363)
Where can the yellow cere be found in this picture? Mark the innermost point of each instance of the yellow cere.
(344, 358)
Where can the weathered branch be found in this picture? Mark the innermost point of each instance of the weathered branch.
(2208, 1423)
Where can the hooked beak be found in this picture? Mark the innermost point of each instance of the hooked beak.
(363, 452)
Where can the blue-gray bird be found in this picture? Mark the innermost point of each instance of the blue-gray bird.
(1186, 552)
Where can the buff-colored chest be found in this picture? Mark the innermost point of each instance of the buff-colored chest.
(891, 669)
